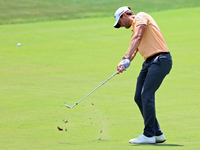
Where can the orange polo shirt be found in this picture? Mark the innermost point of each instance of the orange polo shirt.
(152, 41)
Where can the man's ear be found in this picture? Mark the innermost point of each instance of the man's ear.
(124, 14)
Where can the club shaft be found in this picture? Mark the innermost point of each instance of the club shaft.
(95, 89)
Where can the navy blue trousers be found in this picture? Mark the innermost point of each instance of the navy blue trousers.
(153, 72)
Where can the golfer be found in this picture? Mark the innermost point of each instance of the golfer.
(148, 40)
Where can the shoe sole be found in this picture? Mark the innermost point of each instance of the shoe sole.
(161, 141)
(149, 143)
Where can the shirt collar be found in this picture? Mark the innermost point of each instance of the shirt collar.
(133, 25)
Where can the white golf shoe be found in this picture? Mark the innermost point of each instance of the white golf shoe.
(160, 138)
(142, 139)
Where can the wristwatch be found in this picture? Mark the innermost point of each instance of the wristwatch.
(125, 58)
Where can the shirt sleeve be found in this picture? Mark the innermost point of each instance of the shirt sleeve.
(141, 19)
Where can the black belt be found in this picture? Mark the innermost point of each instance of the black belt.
(152, 57)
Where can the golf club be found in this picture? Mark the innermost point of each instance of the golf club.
(91, 91)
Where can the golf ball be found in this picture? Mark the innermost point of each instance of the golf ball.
(19, 44)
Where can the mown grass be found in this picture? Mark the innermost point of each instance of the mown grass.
(60, 62)
(23, 11)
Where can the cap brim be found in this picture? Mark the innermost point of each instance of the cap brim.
(117, 25)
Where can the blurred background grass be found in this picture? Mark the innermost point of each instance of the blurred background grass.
(62, 61)
(23, 11)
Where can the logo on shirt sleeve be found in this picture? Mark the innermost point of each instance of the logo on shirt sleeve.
(139, 16)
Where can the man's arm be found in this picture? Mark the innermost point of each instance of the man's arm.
(134, 54)
(135, 41)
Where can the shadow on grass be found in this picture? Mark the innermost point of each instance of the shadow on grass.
(168, 145)
(163, 145)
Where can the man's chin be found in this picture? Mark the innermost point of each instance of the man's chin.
(128, 27)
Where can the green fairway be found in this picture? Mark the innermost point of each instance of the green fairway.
(23, 11)
(62, 61)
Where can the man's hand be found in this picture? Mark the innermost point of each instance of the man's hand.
(125, 63)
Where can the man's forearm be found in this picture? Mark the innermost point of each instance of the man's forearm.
(135, 41)
(132, 50)
(134, 54)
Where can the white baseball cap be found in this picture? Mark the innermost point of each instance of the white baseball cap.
(118, 14)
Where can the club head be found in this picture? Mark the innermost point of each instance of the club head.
(68, 106)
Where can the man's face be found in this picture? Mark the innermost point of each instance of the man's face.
(124, 21)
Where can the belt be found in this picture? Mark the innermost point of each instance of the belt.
(152, 57)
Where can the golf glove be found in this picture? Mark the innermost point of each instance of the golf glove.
(125, 63)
